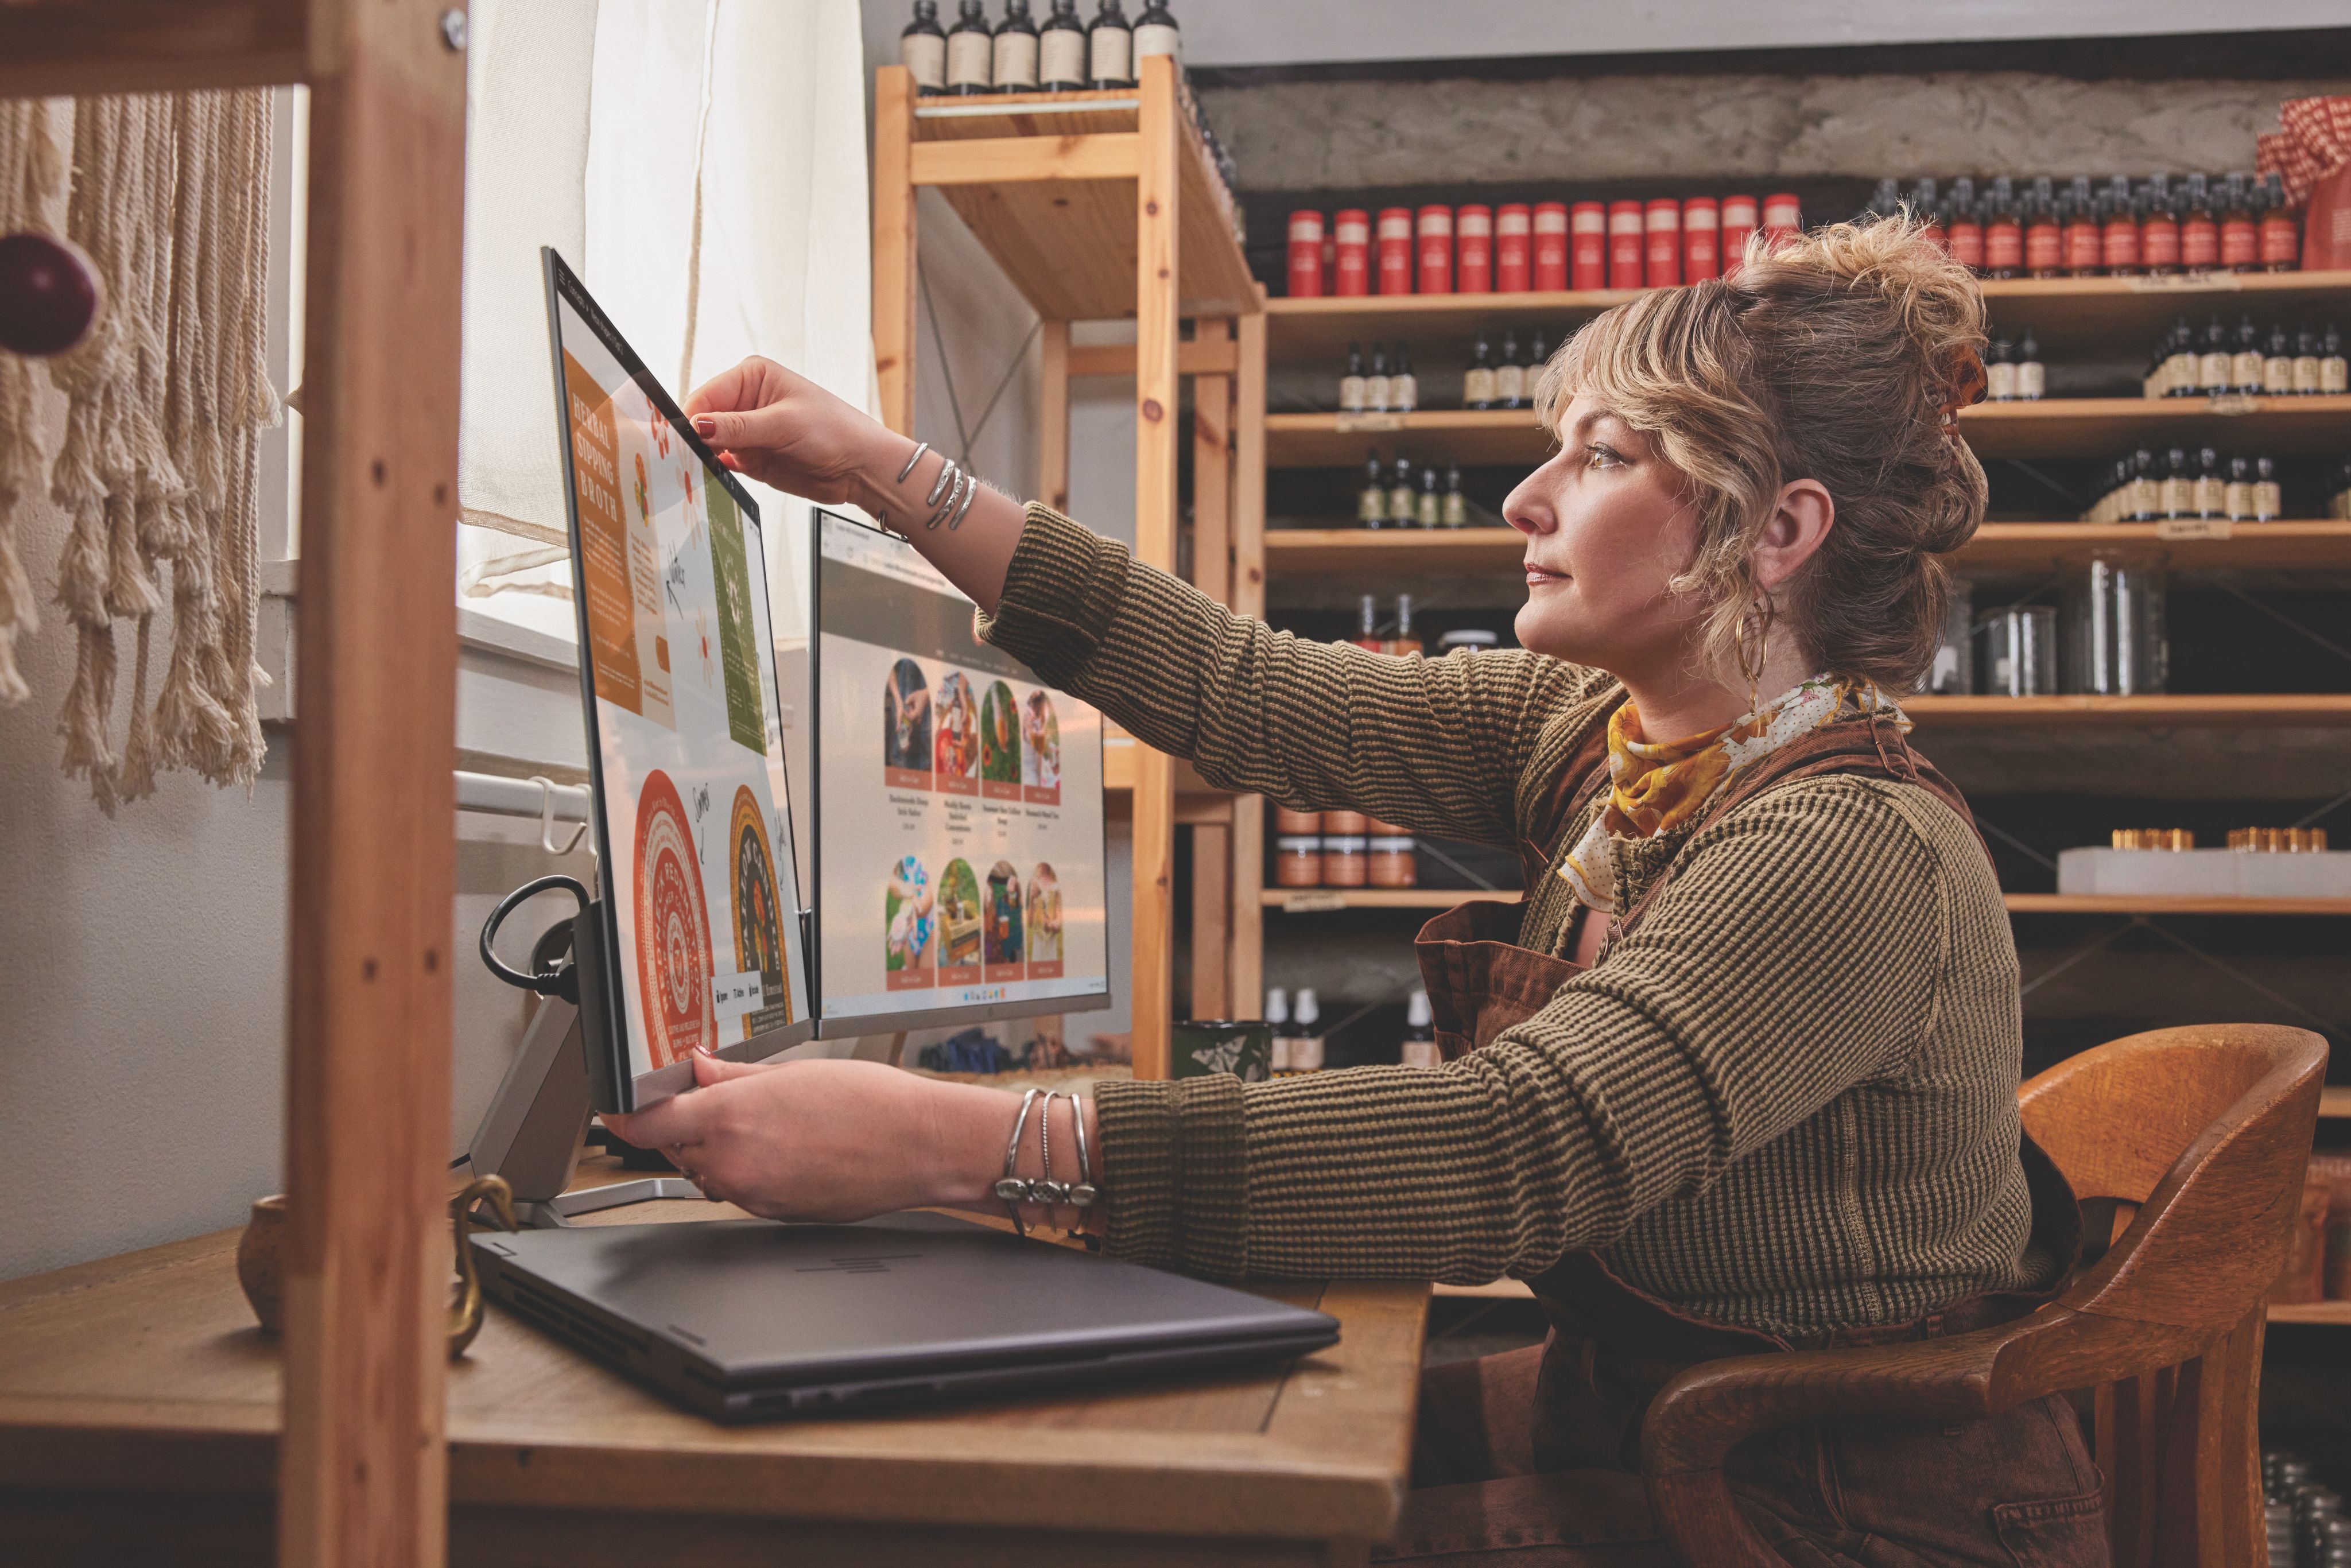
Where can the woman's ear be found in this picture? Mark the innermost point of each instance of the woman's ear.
(1798, 524)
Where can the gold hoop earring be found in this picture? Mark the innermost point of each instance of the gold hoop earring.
(1758, 615)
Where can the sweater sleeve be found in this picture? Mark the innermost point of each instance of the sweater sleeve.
(1438, 745)
(1796, 953)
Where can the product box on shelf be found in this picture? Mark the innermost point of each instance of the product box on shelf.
(2204, 873)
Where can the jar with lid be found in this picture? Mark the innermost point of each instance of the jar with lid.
(1290, 823)
(1420, 1047)
(1346, 860)
(1298, 862)
(1471, 637)
(1346, 822)
(1392, 863)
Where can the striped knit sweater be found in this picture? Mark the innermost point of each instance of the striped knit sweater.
(1786, 1100)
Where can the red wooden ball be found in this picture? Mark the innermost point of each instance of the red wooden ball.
(48, 294)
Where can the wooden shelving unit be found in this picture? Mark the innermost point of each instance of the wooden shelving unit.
(2335, 1100)
(2051, 427)
(1327, 900)
(2157, 903)
(2337, 1314)
(2221, 711)
(1104, 205)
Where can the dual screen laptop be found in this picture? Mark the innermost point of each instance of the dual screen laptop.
(935, 756)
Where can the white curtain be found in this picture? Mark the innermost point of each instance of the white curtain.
(702, 164)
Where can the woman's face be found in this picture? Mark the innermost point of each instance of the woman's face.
(1608, 525)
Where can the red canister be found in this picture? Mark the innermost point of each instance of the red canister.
(1701, 240)
(1395, 250)
(1305, 255)
(1436, 250)
(1783, 219)
(1551, 247)
(1473, 250)
(1624, 244)
(1330, 262)
(1512, 255)
(1661, 259)
(1351, 239)
(1739, 219)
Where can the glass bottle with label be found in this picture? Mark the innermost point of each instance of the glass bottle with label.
(1372, 503)
(923, 48)
(2178, 485)
(2032, 375)
(1306, 1032)
(2269, 495)
(1375, 385)
(1404, 642)
(2277, 363)
(1156, 33)
(971, 52)
(2334, 371)
(2145, 492)
(1351, 385)
(2000, 371)
(2280, 230)
(1277, 1018)
(1367, 636)
(1016, 49)
(2245, 360)
(1454, 513)
(1510, 375)
(2215, 364)
(2118, 244)
(2212, 485)
(2241, 246)
(1420, 1047)
(1110, 48)
(1404, 499)
(2004, 234)
(1061, 49)
(2306, 363)
(2237, 500)
(1403, 387)
(2179, 362)
(1478, 381)
(1430, 510)
(1538, 357)
(2159, 230)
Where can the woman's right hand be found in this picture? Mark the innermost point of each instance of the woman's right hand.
(784, 430)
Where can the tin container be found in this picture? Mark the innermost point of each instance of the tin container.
(1346, 860)
(1351, 239)
(1395, 250)
(1473, 250)
(1784, 218)
(1435, 227)
(1701, 239)
(1513, 249)
(1305, 255)
(1625, 242)
(1391, 863)
(2117, 641)
(1739, 220)
(1291, 823)
(1551, 263)
(2016, 651)
(1661, 255)
(1298, 862)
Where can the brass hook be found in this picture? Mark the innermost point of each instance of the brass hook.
(465, 1307)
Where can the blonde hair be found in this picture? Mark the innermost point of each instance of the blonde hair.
(1834, 358)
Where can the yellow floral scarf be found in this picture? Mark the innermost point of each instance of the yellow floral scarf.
(1655, 787)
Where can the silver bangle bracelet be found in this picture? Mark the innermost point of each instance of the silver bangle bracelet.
(969, 495)
(1010, 1188)
(1084, 1194)
(1045, 1190)
(955, 493)
(909, 468)
(947, 478)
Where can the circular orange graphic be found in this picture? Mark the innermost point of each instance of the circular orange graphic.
(673, 964)
(758, 922)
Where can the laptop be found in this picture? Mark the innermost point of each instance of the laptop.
(750, 1320)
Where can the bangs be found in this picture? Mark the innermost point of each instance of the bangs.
(1664, 363)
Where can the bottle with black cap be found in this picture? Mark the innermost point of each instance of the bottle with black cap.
(1371, 501)
(2245, 358)
(1454, 511)
(2216, 364)
(1156, 33)
(1375, 385)
(923, 48)
(1478, 381)
(971, 52)
(1016, 49)
(1351, 385)
(2032, 375)
(1110, 48)
(1061, 49)
(1403, 387)
(1404, 496)
(1510, 375)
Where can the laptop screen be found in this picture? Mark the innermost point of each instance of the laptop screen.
(685, 725)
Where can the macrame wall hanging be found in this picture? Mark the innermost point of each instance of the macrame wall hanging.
(158, 473)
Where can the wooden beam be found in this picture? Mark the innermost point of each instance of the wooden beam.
(1155, 543)
(363, 1467)
(1246, 968)
(1212, 996)
(893, 246)
(1053, 416)
(1209, 357)
(1212, 496)
(150, 46)
(1017, 160)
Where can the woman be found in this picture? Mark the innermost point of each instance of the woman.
(1738, 1075)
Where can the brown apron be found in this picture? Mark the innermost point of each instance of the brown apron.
(1531, 1457)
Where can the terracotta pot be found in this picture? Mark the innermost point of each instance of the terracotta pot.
(261, 1261)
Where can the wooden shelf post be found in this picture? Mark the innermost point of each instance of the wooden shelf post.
(362, 1468)
(894, 246)
(1247, 969)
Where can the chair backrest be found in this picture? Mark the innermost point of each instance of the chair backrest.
(2200, 1136)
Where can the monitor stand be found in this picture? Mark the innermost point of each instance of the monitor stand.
(537, 1124)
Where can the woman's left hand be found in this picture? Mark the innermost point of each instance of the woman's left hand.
(824, 1140)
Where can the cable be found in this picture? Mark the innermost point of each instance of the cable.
(559, 982)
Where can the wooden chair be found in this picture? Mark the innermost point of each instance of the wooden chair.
(2200, 1136)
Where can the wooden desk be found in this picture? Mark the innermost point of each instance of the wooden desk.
(139, 1418)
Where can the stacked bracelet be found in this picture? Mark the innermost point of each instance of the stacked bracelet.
(1014, 1190)
(951, 494)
